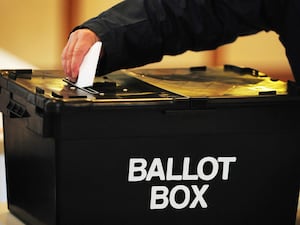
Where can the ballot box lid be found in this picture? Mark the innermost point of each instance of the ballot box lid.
(176, 88)
(227, 85)
(50, 91)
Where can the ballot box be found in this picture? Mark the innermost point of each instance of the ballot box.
(202, 145)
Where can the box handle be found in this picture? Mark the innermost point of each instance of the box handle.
(16, 110)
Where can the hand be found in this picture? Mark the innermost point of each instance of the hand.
(76, 48)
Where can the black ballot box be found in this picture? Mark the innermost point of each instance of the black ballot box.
(203, 145)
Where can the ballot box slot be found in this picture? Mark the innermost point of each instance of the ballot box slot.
(89, 90)
(119, 86)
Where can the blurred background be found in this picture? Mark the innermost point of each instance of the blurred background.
(36, 31)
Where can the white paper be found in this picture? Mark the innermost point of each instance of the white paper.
(87, 70)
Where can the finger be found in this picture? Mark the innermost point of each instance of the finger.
(64, 58)
(69, 55)
(79, 51)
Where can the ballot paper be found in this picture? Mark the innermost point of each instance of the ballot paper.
(88, 67)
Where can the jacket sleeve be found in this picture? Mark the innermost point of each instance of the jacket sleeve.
(138, 32)
(290, 35)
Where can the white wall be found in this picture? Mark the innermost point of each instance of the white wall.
(2, 168)
(33, 30)
(262, 51)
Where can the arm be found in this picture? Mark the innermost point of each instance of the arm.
(138, 32)
(290, 35)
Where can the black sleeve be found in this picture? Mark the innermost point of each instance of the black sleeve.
(138, 32)
(290, 35)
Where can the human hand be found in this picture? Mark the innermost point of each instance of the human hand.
(76, 48)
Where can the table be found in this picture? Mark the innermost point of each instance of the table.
(6, 218)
